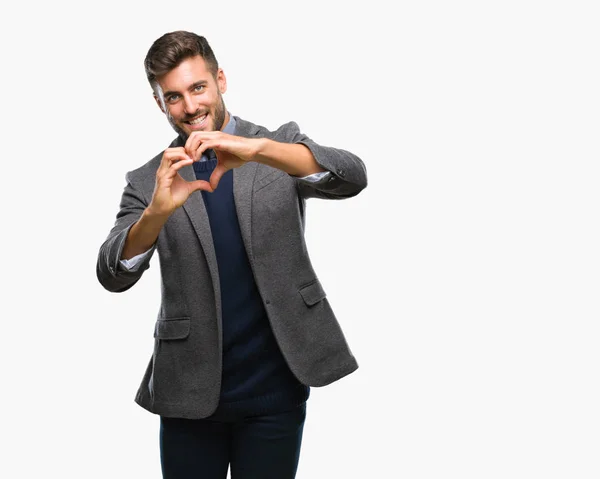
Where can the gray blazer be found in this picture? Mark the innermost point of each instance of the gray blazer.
(183, 377)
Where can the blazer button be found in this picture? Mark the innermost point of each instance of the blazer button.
(268, 302)
(111, 269)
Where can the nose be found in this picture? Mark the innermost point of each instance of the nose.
(188, 105)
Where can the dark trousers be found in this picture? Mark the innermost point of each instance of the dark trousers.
(258, 447)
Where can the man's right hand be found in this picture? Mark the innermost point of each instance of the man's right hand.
(171, 190)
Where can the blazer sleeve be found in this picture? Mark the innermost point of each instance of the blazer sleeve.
(111, 274)
(348, 173)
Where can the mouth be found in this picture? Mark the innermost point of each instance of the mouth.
(197, 121)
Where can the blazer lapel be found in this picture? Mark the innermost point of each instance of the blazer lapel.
(195, 209)
(243, 179)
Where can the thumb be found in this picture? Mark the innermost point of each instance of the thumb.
(201, 185)
(216, 176)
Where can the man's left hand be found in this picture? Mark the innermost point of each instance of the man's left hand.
(232, 151)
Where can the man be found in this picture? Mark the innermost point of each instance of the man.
(244, 327)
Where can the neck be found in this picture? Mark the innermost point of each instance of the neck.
(225, 121)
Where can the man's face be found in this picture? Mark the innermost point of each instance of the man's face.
(193, 99)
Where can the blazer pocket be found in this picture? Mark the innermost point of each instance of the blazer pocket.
(175, 328)
(312, 293)
(268, 179)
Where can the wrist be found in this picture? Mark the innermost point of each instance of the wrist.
(261, 145)
(152, 216)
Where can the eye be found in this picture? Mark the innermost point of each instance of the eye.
(199, 88)
(172, 98)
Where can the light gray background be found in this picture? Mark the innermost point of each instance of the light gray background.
(465, 277)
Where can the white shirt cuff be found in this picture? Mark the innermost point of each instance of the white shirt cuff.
(132, 264)
(321, 176)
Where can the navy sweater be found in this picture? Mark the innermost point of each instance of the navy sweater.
(255, 378)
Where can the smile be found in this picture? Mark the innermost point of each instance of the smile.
(198, 120)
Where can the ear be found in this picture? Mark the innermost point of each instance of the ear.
(221, 81)
(160, 104)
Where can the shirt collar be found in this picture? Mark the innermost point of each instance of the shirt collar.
(230, 127)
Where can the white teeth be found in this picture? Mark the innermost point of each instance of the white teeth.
(198, 120)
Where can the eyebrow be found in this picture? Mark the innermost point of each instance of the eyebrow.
(192, 86)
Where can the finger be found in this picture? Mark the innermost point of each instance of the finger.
(179, 154)
(170, 157)
(167, 175)
(193, 143)
(175, 167)
(172, 153)
(205, 146)
(189, 144)
(216, 176)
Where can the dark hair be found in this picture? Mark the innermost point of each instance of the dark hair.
(171, 49)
